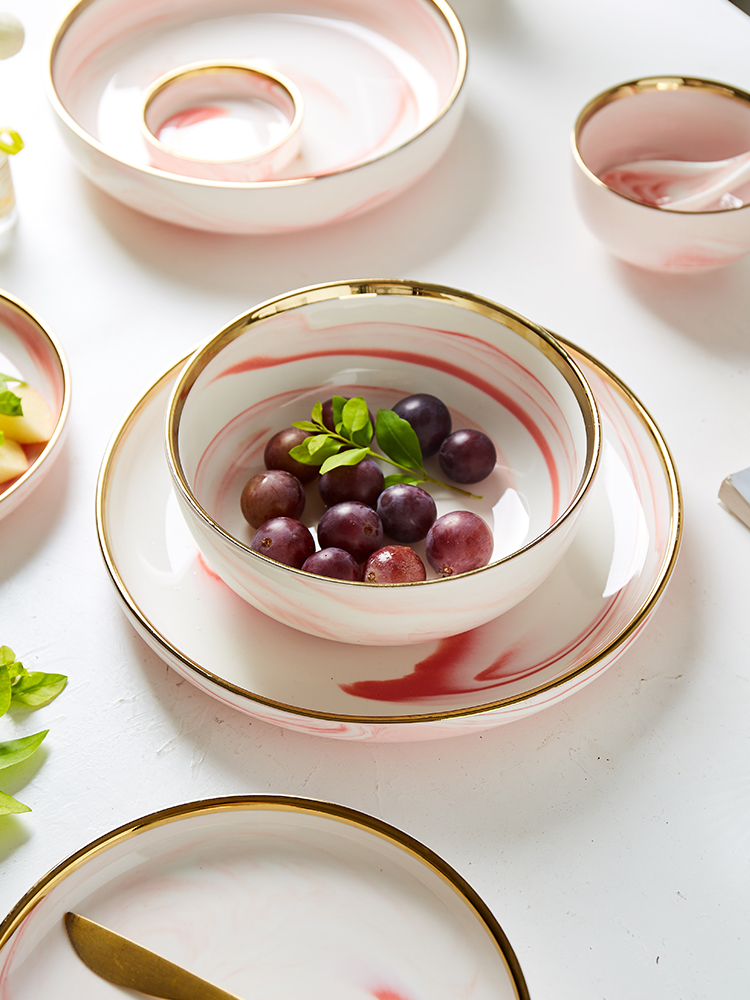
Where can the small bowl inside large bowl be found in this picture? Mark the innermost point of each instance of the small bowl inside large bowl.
(226, 121)
(384, 340)
(30, 352)
(662, 118)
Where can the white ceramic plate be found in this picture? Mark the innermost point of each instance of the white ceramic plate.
(29, 351)
(593, 606)
(268, 897)
(380, 84)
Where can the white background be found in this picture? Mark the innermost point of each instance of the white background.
(610, 834)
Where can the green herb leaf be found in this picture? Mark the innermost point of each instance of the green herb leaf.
(37, 688)
(317, 413)
(399, 480)
(351, 456)
(324, 447)
(338, 403)
(5, 689)
(14, 751)
(11, 378)
(7, 655)
(398, 439)
(10, 404)
(305, 425)
(10, 805)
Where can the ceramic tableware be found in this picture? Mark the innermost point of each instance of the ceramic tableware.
(662, 118)
(593, 606)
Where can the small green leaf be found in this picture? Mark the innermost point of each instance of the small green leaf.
(338, 403)
(14, 751)
(399, 480)
(37, 688)
(351, 456)
(315, 443)
(354, 415)
(317, 413)
(2, 438)
(11, 378)
(7, 655)
(398, 439)
(302, 452)
(10, 805)
(10, 404)
(305, 425)
(5, 689)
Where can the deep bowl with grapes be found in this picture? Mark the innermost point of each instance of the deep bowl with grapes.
(382, 341)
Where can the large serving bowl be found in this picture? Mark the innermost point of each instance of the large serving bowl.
(381, 84)
(30, 351)
(385, 340)
(662, 118)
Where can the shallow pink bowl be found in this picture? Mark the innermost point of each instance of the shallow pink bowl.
(384, 340)
(681, 118)
(30, 350)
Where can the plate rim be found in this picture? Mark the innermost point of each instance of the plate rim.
(474, 711)
(279, 803)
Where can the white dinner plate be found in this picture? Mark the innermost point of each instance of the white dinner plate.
(269, 898)
(560, 638)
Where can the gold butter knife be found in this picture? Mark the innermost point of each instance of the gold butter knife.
(125, 963)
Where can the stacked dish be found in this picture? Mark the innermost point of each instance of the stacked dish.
(597, 594)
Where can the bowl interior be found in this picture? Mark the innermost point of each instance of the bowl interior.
(28, 351)
(372, 76)
(267, 373)
(671, 121)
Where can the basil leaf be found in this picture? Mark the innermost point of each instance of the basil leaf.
(10, 404)
(399, 480)
(37, 688)
(10, 805)
(351, 456)
(7, 655)
(14, 751)
(305, 425)
(317, 413)
(398, 439)
(338, 403)
(4, 689)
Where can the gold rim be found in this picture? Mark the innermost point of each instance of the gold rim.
(442, 8)
(205, 68)
(330, 291)
(644, 85)
(23, 310)
(162, 642)
(278, 803)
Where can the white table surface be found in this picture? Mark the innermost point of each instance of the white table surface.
(610, 834)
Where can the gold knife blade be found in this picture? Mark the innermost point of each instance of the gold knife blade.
(125, 963)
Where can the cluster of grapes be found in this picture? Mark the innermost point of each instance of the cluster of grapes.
(361, 512)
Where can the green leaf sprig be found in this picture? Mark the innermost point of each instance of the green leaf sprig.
(10, 403)
(19, 687)
(350, 443)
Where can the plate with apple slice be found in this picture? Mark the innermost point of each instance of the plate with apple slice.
(34, 401)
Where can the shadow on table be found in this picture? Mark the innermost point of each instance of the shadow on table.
(712, 307)
(391, 241)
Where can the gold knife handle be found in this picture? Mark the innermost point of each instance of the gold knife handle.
(125, 963)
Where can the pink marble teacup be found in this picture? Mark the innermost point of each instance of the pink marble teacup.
(662, 118)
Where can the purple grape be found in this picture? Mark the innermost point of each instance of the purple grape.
(407, 512)
(352, 526)
(327, 416)
(270, 494)
(394, 564)
(337, 564)
(276, 454)
(458, 542)
(362, 482)
(429, 417)
(467, 456)
(284, 540)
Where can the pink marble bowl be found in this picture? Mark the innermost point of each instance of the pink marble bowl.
(385, 340)
(668, 118)
(30, 351)
(259, 114)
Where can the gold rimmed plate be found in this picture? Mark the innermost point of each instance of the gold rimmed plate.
(267, 896)
(594, 605)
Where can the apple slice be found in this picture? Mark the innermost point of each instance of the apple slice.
(13, 461)
(36, 424)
